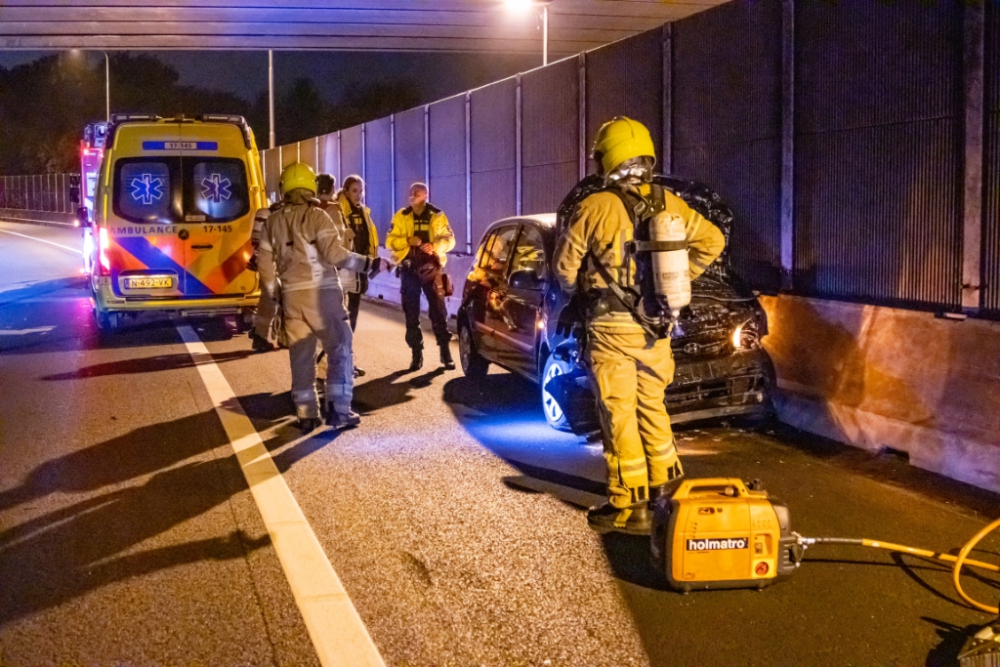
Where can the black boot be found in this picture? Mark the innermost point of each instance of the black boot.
(634, 520)
(417, 362)
(446, 359)
(259, 344)
(664, 490)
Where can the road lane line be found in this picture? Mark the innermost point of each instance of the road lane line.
(337, 631)
(33, 238)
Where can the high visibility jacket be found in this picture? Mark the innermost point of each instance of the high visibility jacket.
(602, 226)
(438, 232)
(302, 248)
(350, 279)
(345, 212)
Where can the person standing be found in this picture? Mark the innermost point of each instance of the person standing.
(628, 354)
(420, 240)
(362, 237)
(301, 249)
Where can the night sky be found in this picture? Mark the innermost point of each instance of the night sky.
(245, 72)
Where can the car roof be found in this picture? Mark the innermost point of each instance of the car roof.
(546, 221)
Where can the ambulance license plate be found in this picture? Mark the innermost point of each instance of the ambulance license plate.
(150, 282)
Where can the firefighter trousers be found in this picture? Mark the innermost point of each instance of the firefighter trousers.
(263, 316)
(311, 315)
(630, 372)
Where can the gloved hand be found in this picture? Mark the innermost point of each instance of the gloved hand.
(378, 264)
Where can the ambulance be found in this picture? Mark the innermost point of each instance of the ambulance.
(173, 216)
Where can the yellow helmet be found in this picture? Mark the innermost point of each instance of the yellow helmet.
(622, 139)
(298, 175)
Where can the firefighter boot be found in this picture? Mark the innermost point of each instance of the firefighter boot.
(348, 419)
(634, 520)
(446, 359)
(417, 362)
(259, 343)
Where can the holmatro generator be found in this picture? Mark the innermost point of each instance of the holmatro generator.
(717, 533)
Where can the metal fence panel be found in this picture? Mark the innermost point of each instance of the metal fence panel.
(289, 154)
(272, 172)
(378, 170)
(447, 163)
(626, 79)
(329, 156)
(308, 154)
(45, 193)
(411, 159)
(351, 158)
(879, 153)
(494, 154)
(991, 171)
(727, 124)
(550, 134)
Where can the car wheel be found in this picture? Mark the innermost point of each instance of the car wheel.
(554, 414)
(473, 365)
(107, 322)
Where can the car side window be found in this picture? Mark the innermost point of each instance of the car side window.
(483, 253)
(529, 255)
(498, 251)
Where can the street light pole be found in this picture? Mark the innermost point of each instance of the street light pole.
(270, 94)
(107, 86)
(545, 34)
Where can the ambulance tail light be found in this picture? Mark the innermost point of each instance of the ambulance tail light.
(102, 250)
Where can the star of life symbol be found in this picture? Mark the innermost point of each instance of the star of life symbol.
(147, 189)
(216, 188)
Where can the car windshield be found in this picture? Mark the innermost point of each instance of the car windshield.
(172, 190)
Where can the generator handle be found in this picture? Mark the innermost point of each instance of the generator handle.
(690, 486)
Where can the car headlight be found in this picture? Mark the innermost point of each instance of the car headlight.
(737, 338)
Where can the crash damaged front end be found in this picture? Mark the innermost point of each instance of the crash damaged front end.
(721, 370)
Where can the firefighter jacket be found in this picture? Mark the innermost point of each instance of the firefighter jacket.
(302, 247)
(438, 233)
(602, 226)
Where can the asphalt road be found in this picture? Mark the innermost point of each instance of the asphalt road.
(453, 515)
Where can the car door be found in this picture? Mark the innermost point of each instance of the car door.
(519, 305)
(494, 267)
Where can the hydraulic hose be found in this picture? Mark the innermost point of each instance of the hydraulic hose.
(957, 561)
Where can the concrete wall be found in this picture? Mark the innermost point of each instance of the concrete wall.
(877, 378)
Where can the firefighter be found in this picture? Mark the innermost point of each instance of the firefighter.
(420, 239)
(628, 356)
(300, 250)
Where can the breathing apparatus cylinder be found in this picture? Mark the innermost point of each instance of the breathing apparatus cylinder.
(671, 275)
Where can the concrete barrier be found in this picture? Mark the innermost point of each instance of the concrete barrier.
(38, 217)
(881, 378)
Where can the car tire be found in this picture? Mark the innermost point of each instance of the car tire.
(107, 322)
(554, 414)
(473, 364)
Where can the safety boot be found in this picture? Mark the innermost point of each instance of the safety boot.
(259, 343)
(310, 424)
(664, 491)
(446, 359)
(417, 362)
(348, 419)
(633, 520)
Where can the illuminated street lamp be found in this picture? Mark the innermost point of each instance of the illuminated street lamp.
(524, 5)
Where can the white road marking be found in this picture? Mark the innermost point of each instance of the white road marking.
(33, 238)
(337, 631)
(24, 332)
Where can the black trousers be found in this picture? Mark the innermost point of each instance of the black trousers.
(353, 305)
(410, 289)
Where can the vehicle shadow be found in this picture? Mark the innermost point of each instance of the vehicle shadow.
(125, 491)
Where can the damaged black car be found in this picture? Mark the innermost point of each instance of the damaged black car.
(514, 315)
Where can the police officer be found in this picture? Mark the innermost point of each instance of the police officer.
(300, 250)
(420, 240)
(630, 363)
(363, 239)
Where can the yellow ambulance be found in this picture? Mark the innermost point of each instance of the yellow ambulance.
(173, 216)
